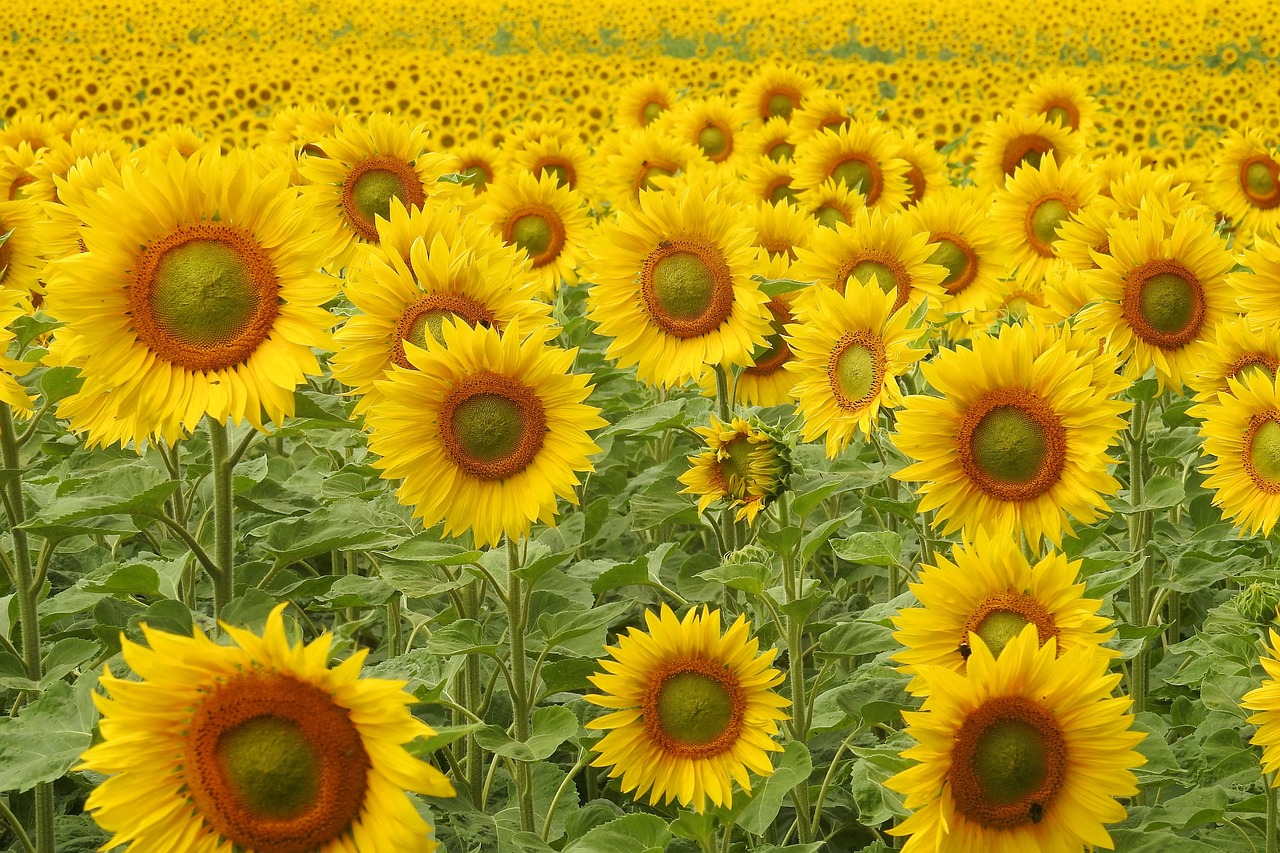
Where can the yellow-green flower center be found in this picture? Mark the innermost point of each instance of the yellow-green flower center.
(371, 185)
(1259, 180)
(489, 426)
(712, 141)
(737, 461)
(780, 151)
(428, 321)
(869, 271)
(373, 192)
(1060, 115)
(475, 177)
(693, 708)
(271, 765)
(856, 372)
(428, 316)
(782, 192)
(855, 174)
(560, 172)
(1167, 302)
(999, 628)
(651, 111)
(829, 216)
(947, 253)
(683, 285)
(1045, 219)
(532, 233)
(1008, 445)
(203, 293)
(1264, 451)
(1010, 761)
(780, 104)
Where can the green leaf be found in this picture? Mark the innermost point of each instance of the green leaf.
(820, 534)
(793, 768)
(47, 737)
(848, 639)
(802, 505)
(879, 548)
(444, 736)
(349, 524)
(464, 637)
(559, 627)
(635, 833)
(643, 570)
(1161, 492)
(357, 591)
(777, 286)
(96, 503)
(551, 727)
(751, 578)
(58, 383)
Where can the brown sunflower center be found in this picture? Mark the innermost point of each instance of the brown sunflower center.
(687, 287)
(856, 369)
(861, 174)
(1063, 112)
(1262, 451)
(1043, 218)
(204, 296)
(427, 317)
(780, 151)
(916, 185)
(275, 764)
(1163, 302)
(492, 426)
(1260, 181)
(1026, 150)
(716, 142)
(1003, 615)
(881, 268)
(776, 352)
(1012, 445)
(371, 185)
(693, 708)
(959, 259)
(1254, 364)
(1008, 764)
(538, 229)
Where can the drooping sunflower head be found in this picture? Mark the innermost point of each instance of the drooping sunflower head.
(693, 710)
(847, 351)
(742, 464)
(543, 219)
(486, 432)
(989, 588)
(859, 155)
(1018, 140)
(1018, 440)
(260, 745)
(674, 288)
(1033, 205)
(1028, 752)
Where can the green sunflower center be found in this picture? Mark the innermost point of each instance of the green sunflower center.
(651, 172)
(1008, 445)
(780, 104)
(373, 192)
(1010, 761)
(738, 461)
(203, 293)
(1259, 180)
(651, 111)
(532, 233)
(560, 172)
(1046, 218)
(782, 192)
(271, 765)
(1167, 302)
(855, 174)
(694, 708)
(1060, 115)
(780, 151)
(475, 177)
(428, 322)
(829, 216)
(950, 255)
(489, 427)
(998, 628)
(1264, 451)
(712, 140)
(683, 285)
(856, 372)
(869, 271)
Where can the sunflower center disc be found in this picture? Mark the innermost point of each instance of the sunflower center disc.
(1008, 764)
(428, 316)
(1264, 452)
(712, 141)
(203, 293)
(1002, 616)
(1025, 151)
(687, 288)
(428, 322)
(1167, 301)
(780, 104)
(683, 285)
(857, 175)
(1060, 115)
(532, 233)
(1255, 365)
(373, 192)
(957, 262)
(782, 192)
(475, 177)
(1008, 445)
(1259, 180)
(1045, 219)
(781, 151)
(647, 175)
(489, 426)
(270, 763)
(559, 171)
(737, 461)
(856, 372)
(693, 708)
(999, 628)
(651, 111)
(829, 216)
(869, 271)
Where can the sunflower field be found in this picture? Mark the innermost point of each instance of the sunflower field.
(620, 427)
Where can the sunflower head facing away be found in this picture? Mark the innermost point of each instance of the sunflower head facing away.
(260, 746)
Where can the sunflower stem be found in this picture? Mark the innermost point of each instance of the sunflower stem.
(516, 617)
(16, 825)
(27, 591)
(473, 597)
(793, 569)
(1273, 813)
(724, 410)
(224, 552)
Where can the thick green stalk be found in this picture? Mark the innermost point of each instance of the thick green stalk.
(224, 553)
(517, 623)
(724, 410)
(27, 591)
(1139, 536)
(793, 570)
(473, 596)
(1273, 813)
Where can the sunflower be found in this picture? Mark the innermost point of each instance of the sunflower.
(15, 171)
(1018, 140)
(1265, 700)
(54, 162)
(927, 172)
(674, 287)
(433, 265)
(1254, 285)
(35, 131)
(767, 382)
(862, 157)
(1133, 191)
(642, 156)
(1087, 231)
(258, 746)
(1245, 184)
(197, 295)
(479, 164)
(714, 125)
(875, 247)
(822, 110)
(544, 220)
(1235, 349)
(1026, 753)
(965, 243)
(1241, 430)
(770, 182)
(182, 138)
(775, 91)
(742, 464)
(769, 139)
(992, 590)
(1064, 293)
(640, 102)
(831, 204)
(1061, 99)
(1160, 293)
(781, 228)
(300, 129)
(366, 164)
(566, 160)
(1017, 442)
(20, 264)
(1033, 204)
(486, 430)
(58, 233)
(847, 351)
(692, 711)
